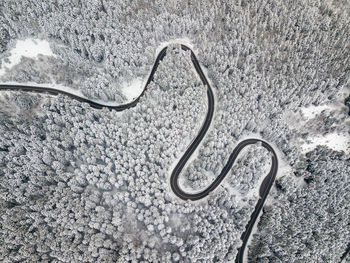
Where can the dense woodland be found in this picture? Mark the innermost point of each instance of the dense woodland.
(78, 184)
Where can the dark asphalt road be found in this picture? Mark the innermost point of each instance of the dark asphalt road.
(347, 251)
(174, 182)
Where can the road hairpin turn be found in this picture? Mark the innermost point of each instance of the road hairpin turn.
(174, 180)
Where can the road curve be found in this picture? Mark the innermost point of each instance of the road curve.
(347, 251)
(174, 182)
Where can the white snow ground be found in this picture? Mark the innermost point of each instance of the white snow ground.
(29, 48)
(312, 111)
(133, 89)
(335, 141)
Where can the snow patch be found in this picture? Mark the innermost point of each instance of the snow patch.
(298, 119)
(312, 111)
(335, 141)
(132, 89)
(29, 48)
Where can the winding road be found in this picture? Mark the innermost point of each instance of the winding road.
(174, 180)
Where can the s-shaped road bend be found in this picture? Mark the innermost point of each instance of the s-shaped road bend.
(174, 182)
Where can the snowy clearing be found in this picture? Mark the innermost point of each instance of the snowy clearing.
(338, 142)
(311, 111)
(133, 89)
(29, 48)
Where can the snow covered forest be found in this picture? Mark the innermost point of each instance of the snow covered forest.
(84, 185)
